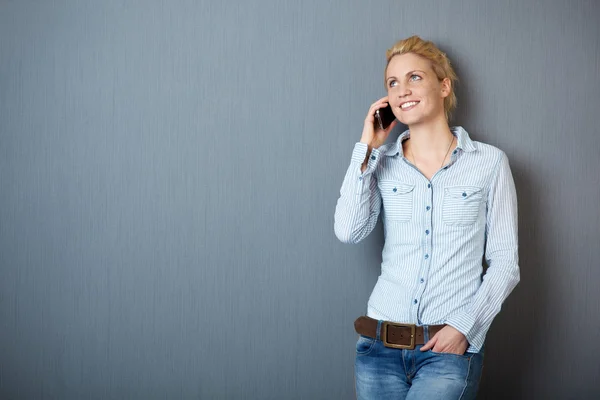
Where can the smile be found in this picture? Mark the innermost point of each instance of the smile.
(408, 105)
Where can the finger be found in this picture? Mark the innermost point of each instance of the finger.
(383, 100)
(430, 344)
(447, 351)
(392, 125)
(371, 115)
(377, 106)
(427, 346)
(442, 346)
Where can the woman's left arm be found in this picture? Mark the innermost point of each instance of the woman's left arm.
(501, 254)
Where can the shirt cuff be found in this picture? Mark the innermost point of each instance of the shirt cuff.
(360, 152)
(464, 323)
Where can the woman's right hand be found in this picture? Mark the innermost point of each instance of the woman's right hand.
(372, 134)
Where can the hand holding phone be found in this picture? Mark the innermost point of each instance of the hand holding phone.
(378, 124)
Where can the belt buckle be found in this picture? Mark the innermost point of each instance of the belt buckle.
(384, 328)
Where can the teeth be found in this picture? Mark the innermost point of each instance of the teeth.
(409, 104)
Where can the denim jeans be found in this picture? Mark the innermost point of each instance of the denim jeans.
(387, 373)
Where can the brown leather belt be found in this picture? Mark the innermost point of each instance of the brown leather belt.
(395, 335)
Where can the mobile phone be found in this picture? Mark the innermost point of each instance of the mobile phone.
(385, 116)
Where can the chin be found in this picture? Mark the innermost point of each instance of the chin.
(412, 121)
(418, 119)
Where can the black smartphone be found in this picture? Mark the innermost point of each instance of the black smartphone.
(385, 116)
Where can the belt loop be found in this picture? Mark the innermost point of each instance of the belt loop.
(379, 322)
(425, 333)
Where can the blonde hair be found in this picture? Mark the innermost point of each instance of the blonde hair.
(439, 63)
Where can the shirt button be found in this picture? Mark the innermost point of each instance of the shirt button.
(464, 194)
(415, 301)
(398, 153)
(427, 232)
(428, 208)
(429, 185)
(455, 151)
(426, 256)
(372, 157)
(360, 178)
(422, 280)
(394, 190)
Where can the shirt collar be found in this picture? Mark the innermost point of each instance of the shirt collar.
(464, 142)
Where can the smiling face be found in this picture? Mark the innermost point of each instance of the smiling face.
(416, 95)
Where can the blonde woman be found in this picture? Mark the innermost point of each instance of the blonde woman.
(447, 202)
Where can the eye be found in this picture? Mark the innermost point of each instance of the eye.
(413, 76)
(392, 83)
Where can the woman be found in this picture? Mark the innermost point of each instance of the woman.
(447, 202)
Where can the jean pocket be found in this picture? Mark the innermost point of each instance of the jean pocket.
(466, 355)
(461, 205)
(364, 345)
(397, 200)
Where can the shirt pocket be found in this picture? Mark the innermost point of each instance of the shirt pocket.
(461, 205)
(397, 200)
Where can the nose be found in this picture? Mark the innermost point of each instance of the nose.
(403, 91)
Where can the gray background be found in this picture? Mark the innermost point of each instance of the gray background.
(169, 173)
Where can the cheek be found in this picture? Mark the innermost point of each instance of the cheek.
(433, 98)
(435, 93)
(393, 99)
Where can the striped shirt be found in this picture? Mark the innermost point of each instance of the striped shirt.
(437, 233)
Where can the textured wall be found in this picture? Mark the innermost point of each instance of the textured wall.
(169, 172)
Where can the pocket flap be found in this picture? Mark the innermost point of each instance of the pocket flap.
(395, 187)
(462, 192)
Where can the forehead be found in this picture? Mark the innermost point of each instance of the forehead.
(402, 64)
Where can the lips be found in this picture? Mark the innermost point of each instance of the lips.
(408, 105)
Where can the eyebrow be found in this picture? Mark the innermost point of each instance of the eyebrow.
(407, 74)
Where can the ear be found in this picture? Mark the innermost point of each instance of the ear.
(446, 87)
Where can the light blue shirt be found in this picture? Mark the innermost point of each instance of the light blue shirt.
(436, 234)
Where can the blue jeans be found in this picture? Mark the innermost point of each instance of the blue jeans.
(387, 373)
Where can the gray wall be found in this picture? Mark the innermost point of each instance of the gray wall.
(169, 173)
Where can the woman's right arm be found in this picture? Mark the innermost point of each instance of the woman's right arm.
(359, 204)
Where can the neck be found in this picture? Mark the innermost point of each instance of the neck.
(432, 138)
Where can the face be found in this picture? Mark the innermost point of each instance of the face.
(415, 93)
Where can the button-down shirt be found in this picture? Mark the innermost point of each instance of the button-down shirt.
(437, 233)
